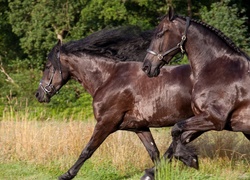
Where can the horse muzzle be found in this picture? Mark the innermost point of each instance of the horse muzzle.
(150, 70)
(42, 96)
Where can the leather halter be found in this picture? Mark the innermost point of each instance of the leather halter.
(49, 87)
(178, 46)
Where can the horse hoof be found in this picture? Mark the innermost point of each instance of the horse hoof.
(191, 161)
(66, 176)
(147, 177)
(149, 174)
(194, 163)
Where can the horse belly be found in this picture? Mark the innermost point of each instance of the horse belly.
(133, 122)
(155, 115)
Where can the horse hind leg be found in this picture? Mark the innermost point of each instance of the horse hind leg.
(149, 143)
(186, 138)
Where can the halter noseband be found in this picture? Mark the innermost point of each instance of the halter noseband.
(49, 88)
(178, 46)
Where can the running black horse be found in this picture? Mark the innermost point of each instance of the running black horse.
(123, 96)
(220, 77)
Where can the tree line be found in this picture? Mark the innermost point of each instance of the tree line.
(30, 28)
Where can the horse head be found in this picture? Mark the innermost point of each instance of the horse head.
(54, 75)
(168, 40)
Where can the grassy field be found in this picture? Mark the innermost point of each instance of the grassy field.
(32, 149)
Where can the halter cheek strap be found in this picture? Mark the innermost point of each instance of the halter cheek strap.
(178, 46)
(49, 88)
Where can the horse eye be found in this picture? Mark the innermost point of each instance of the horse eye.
(47, 67)
(160, 34)
(165, 28)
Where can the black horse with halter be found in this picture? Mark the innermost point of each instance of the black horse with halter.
(178, 46)
(49, 89)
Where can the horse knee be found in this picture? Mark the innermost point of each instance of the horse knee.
(176, 130)
(219, 126)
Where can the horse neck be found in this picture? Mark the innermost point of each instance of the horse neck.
(90, 71)
(204, 47)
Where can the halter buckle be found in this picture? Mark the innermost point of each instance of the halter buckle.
(160, 57)
(182, 49)
(184, 37)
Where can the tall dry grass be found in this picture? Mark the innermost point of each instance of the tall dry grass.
(228, 145)
(61, 142)
(53, 142)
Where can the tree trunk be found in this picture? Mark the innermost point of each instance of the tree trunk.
(189, 8)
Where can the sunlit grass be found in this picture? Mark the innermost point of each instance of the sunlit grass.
(55, 145)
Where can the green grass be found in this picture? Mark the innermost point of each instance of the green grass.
(90, 171)
(211, 169)
(24, 171)
(18, 170)
(38, 150)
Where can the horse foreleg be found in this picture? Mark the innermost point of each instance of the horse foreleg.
(185, 131)
(186, 138)
(186, 155)
(99, 135)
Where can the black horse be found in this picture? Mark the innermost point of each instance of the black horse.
(220, 77)
(123, 96)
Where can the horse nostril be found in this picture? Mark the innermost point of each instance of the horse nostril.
(37, 94)
(145, 68)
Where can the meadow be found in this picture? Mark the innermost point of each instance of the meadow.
(43, 149)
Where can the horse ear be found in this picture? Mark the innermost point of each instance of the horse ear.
(171, 13)
(59, 43)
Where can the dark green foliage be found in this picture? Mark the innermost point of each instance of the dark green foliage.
(71, 102)
(9, 42)
(39, 23)
(29, 29)
(226, 18)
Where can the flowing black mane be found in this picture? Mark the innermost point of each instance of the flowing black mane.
(126, 43)
(229, 42)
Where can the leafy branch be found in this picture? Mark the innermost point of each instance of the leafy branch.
(9, 79)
